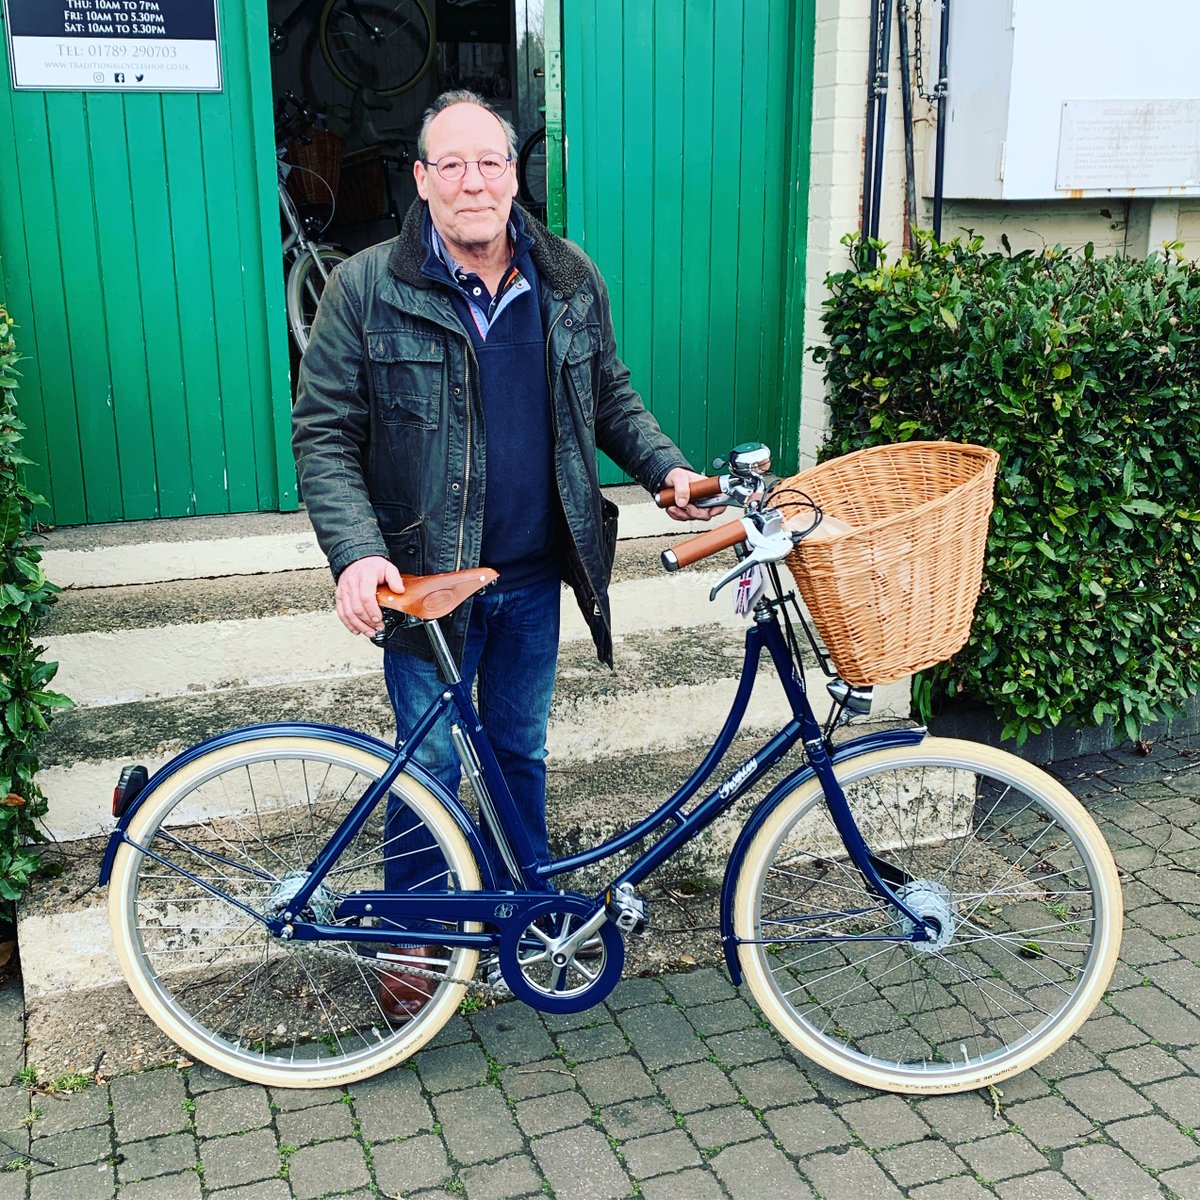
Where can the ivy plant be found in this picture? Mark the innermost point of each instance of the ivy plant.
(26, 701)
(1084, 373)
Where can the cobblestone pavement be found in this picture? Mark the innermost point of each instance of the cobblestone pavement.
(675, 1089)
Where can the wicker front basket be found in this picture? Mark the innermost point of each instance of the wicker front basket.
(895, 593)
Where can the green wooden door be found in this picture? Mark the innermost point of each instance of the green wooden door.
(145, 282)
(687, 152)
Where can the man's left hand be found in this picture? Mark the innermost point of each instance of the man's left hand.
(681, 479)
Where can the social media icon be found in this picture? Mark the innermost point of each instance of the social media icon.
(119, 77)
(97, 76)
(139, 78)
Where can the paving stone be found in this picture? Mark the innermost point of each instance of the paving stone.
(202, 1078)
(1029, 1085)
(402, 1168)
(159, 1156)
(588, 1045)
(242, 1158)
(636, 1118)
(73, 1148)
(705, 986)
(331, 1167)
(324, 1123)
(1050, 1123)
(1105, 1173)
(1144, 1064)
(829, 1086)
(391, 1106)
(744, 1046)
(547, 1114)
(662, 1036)
(961, 1118)
(1164, 1019)
(504, 1180)
(268, 1189)
(186, 1186)
(962, 1188)
(849, 1175)
(723, 1017)
(149, 1105)
(633, 993)
(60, 1114)
(920, 1162)
(512, 1034)
(1103, 1096)
(1180, 980)
(1154, 1142)
(772, 1083)
(452, 1067)
(803, 1129)
(537, 1079)
(757, 1169)
(695, 1086)
(1163, 920)
(287, 1100)
(1179, 1099)
(580, 1165)
(79, 1183)
(1045, 1185)
(1003, 1156)
(723, 1126)
(1072, 1058)
(560, 1022)
(234, 1110)
(611, 1080)
(685, 1185)
(14, 1185)
(660, 1153)
(1104, 1033)
(477, 1125)
(454, 1031)
(887, 1121)
(1185, 1183)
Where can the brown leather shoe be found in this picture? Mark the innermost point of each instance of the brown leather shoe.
(402, 996)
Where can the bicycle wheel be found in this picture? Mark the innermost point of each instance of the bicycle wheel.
(531, 170)
(244, 821)
(384, 45)
(304, 287)
(1004, 863)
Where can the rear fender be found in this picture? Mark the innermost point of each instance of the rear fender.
(345, 737)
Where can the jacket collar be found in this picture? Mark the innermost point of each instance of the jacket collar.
(559, 265)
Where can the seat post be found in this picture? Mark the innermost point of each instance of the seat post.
(441, 652)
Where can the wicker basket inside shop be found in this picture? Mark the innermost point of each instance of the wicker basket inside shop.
(316, 161)
(892, 580)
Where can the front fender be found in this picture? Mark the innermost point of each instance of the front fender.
(333, 733)
(883, 740)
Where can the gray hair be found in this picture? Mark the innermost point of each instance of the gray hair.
(463, 96)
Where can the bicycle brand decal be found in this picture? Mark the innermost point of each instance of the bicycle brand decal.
(504, 911)
(739, 777)
(749, 587)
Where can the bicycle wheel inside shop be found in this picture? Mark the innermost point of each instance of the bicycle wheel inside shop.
(362, 73)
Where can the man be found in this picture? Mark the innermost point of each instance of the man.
(457, 383)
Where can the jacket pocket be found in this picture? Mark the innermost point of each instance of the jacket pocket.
(581, 360)
(407, 373)
(402, 529)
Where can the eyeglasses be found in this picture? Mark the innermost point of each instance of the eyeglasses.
(452, 168)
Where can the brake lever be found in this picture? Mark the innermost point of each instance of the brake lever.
(767, 545)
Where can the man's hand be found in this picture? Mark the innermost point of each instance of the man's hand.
(356, 605)
(680, 478)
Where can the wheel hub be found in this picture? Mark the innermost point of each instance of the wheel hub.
(934, 904)
(320, 906)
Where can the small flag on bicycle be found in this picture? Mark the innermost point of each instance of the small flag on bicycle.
(749, 588)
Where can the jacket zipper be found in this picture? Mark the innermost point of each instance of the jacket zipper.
(462, 520)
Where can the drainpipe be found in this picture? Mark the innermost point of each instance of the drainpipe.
(939, 167)
(910, 173)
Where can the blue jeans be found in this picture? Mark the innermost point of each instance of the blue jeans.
(510, 657)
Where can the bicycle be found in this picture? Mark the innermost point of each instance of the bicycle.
(916, 914)
(307, 262)
(384, 45)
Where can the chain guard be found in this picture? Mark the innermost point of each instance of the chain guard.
(529, 968)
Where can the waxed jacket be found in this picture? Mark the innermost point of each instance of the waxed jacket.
(388, 431)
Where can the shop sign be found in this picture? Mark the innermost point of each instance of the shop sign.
(113, 45)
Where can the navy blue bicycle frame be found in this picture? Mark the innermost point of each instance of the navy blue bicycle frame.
(497, 906)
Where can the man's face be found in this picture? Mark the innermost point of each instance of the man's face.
(470, 213)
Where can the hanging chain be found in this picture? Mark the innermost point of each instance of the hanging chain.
(919, 54)
(881, 66)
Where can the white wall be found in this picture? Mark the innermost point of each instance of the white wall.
(1116, 226)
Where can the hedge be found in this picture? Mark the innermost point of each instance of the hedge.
(1084, 373)
(26, 703)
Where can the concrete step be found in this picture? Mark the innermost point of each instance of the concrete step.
(172, 631)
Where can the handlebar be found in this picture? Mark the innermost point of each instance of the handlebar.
(702, 489)
(693, 549)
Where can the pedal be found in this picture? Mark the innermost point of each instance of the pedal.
(855, 699)
(627, 910)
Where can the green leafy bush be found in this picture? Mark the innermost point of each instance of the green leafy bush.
(25, 597)
(1084, 373)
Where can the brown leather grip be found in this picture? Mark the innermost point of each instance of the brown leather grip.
(703, 544)
(702, 489)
